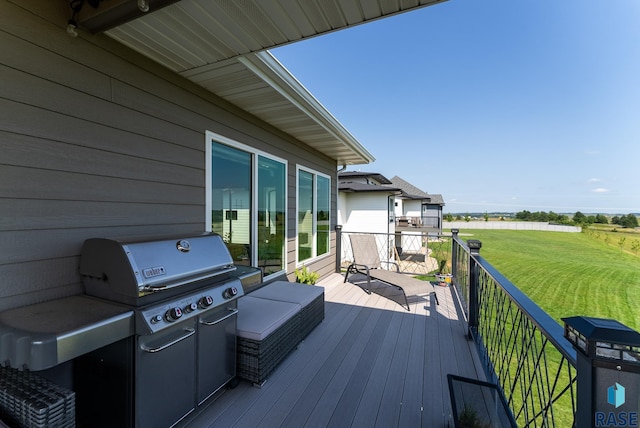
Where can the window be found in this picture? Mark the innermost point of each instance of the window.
(314, 193)
(246, 197)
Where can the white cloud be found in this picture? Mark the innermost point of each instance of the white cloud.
(593, 180)
(600, 190)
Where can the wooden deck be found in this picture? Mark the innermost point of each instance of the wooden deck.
(370, 363)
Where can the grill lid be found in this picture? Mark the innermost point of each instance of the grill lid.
(144, 265)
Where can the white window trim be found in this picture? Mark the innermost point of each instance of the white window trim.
(315, 210)
(213, 137)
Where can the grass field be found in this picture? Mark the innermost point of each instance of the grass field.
(625, 239)
(567, 274)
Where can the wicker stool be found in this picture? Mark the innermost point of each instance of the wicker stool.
(268, 331)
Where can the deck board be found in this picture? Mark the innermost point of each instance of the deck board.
(369, 363)
(351, 397)
(371, 399)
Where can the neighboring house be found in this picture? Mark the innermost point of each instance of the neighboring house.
(173, 121)
(416, 208)
(370, 202)
(366, 202)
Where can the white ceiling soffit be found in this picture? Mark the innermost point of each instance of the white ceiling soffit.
(216, 43)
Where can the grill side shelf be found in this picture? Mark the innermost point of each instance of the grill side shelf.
(46, 334)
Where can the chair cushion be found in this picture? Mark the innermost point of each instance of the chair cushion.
(292, 292)
(257, 318)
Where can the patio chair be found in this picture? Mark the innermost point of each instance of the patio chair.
(366, 261)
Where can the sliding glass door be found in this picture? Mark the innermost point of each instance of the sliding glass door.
(248, 203)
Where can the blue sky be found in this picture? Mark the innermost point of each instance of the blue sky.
(498, 105)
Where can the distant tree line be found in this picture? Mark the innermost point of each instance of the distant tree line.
(629, 220)
(549, 217)
(579, 218)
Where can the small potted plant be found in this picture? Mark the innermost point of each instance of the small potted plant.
(304, 276)
(444, 278)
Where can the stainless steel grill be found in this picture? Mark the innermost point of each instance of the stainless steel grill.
(141, 270)
(184, 291)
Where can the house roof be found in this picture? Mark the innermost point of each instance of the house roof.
(348, 182)
(347, 175)
(410, 191)
(221, 45)
(351, 186)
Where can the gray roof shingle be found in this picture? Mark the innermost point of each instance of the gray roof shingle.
(412, 192)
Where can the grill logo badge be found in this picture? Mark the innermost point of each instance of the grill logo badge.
(183, 245)
(154, 271)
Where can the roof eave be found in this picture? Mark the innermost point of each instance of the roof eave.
(268, 68)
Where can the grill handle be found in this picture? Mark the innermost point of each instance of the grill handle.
(188, 332)
(219, 320)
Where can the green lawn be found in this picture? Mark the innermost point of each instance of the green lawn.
(567, 274)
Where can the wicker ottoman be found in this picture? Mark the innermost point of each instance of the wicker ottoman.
(310, 298)
(267, 330)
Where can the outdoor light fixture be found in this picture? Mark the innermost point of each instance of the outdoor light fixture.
(72, 24)
(607, 371)
(109, 14)
(100, 15)
(72, 28)
(474, 244)
(603, 339)
(143, 5)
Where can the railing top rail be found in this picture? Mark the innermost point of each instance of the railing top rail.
(460, 242)
(543, 321)
(415, 232)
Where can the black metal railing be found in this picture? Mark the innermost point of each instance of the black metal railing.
(523, 349)
(424, 221)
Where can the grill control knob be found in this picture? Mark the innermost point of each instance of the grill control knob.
(173, 314)
(230, 292)
(192, 307)
(206, 301)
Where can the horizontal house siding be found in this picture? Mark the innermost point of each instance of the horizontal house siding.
(412, 208)
(96, 140)
(368, 212)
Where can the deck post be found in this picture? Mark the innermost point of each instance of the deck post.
(474, 279)
(607, 371)
(338, 247)
(454, 254)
